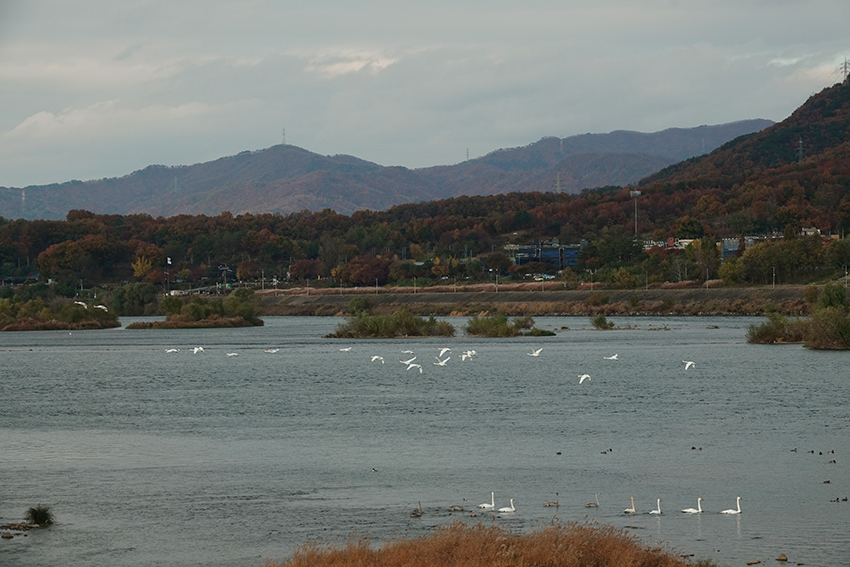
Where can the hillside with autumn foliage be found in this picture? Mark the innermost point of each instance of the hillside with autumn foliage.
(783, 215)
(286, 179)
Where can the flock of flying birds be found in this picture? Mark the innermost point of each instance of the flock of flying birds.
(491, 506)
(471, 353)
(465, 355)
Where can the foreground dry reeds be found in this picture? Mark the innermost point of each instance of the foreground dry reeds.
(458, 544)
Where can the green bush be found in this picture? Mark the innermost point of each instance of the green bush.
(600, 322)
(40, 515)
(498, 325)
(399, 324)
(777, 329)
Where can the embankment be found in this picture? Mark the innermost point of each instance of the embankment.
(540, 301)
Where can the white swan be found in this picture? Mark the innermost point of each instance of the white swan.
(441, 362)
(583, 377)
(271, 350)
(232, 354)
(610, 357)
(101, 307)
(444, 351)
(658, 511)
(376, 357)
(81, 303)
(492, 503)
(730, 511)
(197, 349)
(407, 361)
(457, 507)
(689, 363)
(697, 510)
(346, 349)
(507, 510)
(556, 503)
(415, 366)
(416, 512)
(596, 505)
(534, 352)
(632, 509)
(407, 352)
(172, 350)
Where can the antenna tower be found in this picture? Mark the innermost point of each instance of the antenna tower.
(284, 136)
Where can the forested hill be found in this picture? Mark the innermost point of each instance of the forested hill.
(285, 179)
(795, 173)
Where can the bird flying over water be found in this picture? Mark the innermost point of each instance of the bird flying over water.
(101, 307)
(197, 349)
(444, 351)
(441, 362)
(346, 349)
(688, 363)
(610, 357)
(534, 352)
(171, 350)
(407, 361)
(583, 377)
(271, 350)
(376, 357)
(415, 366)
(81, 303)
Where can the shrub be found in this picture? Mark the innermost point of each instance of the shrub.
(777, 329)
(40, 515)
(498, 325)
(811, 294)
(598, 299)
(399, 324)
(829, 328)
(600, 322)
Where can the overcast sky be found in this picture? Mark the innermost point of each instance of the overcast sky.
(100, 88)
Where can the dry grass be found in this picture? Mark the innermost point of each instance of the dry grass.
(571, 545)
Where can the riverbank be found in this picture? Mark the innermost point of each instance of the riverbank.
(541, 301)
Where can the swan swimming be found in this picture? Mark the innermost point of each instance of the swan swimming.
(697, 510)
(583, 377)
(492, 503)
(730, 511)
(594, 505)
(658, 511)
(556, 503)
(417, 512)
(507, 510)
(534, 352)
(610, 357)
(689, 363)
(457, 507)
(632, 509)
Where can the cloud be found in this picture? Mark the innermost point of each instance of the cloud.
(98, 88)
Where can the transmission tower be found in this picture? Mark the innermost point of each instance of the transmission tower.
(845, 69)
(23, 203)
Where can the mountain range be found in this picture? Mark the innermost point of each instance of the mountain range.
(285, 178)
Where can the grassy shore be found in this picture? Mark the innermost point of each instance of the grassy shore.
(183, 322)
(461, 545)
(787, 300)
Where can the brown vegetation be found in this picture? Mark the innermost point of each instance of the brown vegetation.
(183, 322)
(31, 324)
(571, 545)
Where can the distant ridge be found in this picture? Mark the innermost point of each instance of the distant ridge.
(285, 179)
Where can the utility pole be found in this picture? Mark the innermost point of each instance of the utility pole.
(635, 195)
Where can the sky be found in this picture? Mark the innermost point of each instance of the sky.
(98, 88)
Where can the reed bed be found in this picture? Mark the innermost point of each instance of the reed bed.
(461, 545)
